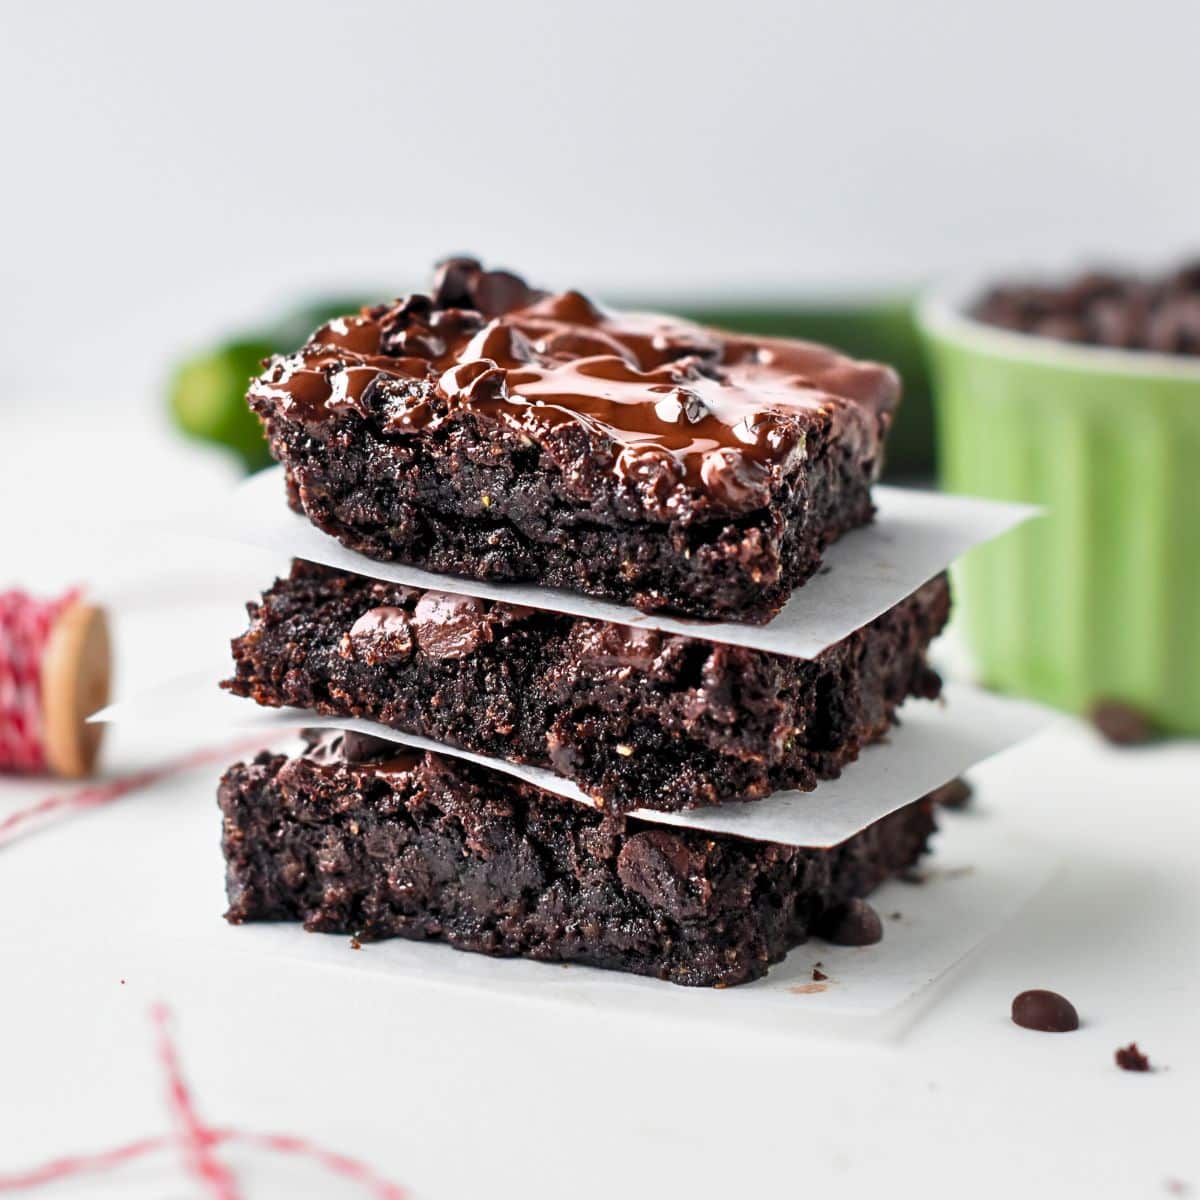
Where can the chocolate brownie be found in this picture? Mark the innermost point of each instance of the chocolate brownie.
(1104, 308)
(638, 718)
(494, 431)
(362, 838)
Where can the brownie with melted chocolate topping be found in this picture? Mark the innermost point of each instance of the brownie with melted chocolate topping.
(494, 431)
(374, 842)
(638, 718)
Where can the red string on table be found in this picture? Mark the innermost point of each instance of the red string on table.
(104, 793)
(198, 1143)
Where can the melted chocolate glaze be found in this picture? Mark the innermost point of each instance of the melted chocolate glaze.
(674, 405)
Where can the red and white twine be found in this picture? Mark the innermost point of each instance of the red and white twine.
(25, 625)
(96, 794)
(198, 1142)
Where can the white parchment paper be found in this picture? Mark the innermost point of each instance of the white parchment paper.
(914, 536)
(981, 872)
(933, 743)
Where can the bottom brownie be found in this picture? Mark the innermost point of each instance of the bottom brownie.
(363, 837)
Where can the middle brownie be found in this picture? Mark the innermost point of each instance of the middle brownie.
(637, 718)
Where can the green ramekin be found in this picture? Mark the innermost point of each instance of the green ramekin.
(1100, 599)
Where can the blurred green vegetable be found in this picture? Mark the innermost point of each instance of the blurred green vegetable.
(207, 392)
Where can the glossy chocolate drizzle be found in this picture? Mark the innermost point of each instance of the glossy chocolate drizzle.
(667, 404)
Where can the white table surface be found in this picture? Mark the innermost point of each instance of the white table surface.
(463, 1094)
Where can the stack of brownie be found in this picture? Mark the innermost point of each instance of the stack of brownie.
(500, 433)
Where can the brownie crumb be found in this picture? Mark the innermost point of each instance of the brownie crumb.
(1046, 1012)
(1130, 1058)
(355, 944)
(1121, 724)
(818, 975)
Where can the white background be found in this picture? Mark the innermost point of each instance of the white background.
(170, 169)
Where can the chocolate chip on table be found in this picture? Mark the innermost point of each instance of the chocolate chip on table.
(954, 794)
(854, 923)
(1130, 1058)
(1047, 1012)
(1121, 724)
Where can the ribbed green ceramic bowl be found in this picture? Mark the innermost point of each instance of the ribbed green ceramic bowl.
(1099, 600)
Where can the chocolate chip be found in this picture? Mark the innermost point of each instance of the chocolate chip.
(322, 746)
(1105, 309)
(602, 645)
(452, 282)
(734, 479)
(399, 323)
(1130, 1058)
(1121, 724)
(660, 868)
(854, 923)
(681, 404)
(365, 747)
(380, 635)
(451, 626)
(462, 282)
(1047, 1012)
(328, 747)
(512, 614)
(954, 794)
(653, 474)
(499, 292)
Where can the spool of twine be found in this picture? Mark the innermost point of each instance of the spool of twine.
(55, 668)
